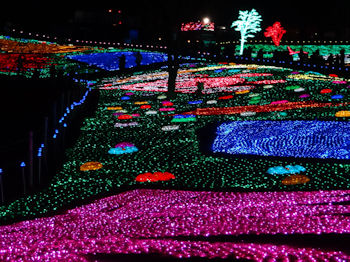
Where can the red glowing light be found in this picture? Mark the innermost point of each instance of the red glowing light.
(10, 62)
(145, 107)
(276, 32)
(326, 91)
(124, 117)
(259, 109)
(155, 177)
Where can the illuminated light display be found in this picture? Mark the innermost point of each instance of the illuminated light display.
(157, 222)
(279, 102)
(295, 180)
(124, 145)
(141, 103)
(304, 139)
(242, 92)
(292, 87)
(344, 113)
(197, 26)
(9, 62)
(225, 97)
(265, 108)
(145, 107)
(110, 60)
(298, 90)
(120, 150)
(88, 166)
(248, 113)
(184, 119)
(267, 82)
(154, 177)
(167, 103)
(287, 213)
(161, 97)
(248, 24)
(337, 97)
(170, 128)
(124, 117)
(276, 32)
(30, 47)
(114, 108)
(340, 82)
(211, 102)
(151, 112)
(126, 124)
(280, 170)
(304, 96)
(268, 86)
(166, 109)
(326, 91)
(197, 102)
(291, 52)
(312, 77)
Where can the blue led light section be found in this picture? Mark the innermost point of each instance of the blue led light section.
(110, 61)
(304, 139)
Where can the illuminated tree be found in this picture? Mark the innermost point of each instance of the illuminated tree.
(248, 23)
(276, 32)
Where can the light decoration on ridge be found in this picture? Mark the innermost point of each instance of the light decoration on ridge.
(198, 26)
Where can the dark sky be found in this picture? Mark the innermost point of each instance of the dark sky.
(296, 13)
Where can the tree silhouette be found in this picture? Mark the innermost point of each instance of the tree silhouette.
(276, 32)
(248, 23)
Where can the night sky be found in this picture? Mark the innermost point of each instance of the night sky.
(157, 15)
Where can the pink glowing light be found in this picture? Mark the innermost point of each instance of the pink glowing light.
(182, 224)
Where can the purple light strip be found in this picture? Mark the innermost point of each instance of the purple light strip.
(151, 221)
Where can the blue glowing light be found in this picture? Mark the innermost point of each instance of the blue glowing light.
(124, 150)
(195, 102)
(337, 97)
(288, 170)
(305, 139)
(110, 61)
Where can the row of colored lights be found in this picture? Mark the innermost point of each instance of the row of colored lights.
(109, 43)
(285, 63)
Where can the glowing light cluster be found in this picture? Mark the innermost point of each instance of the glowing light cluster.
(197, 26)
